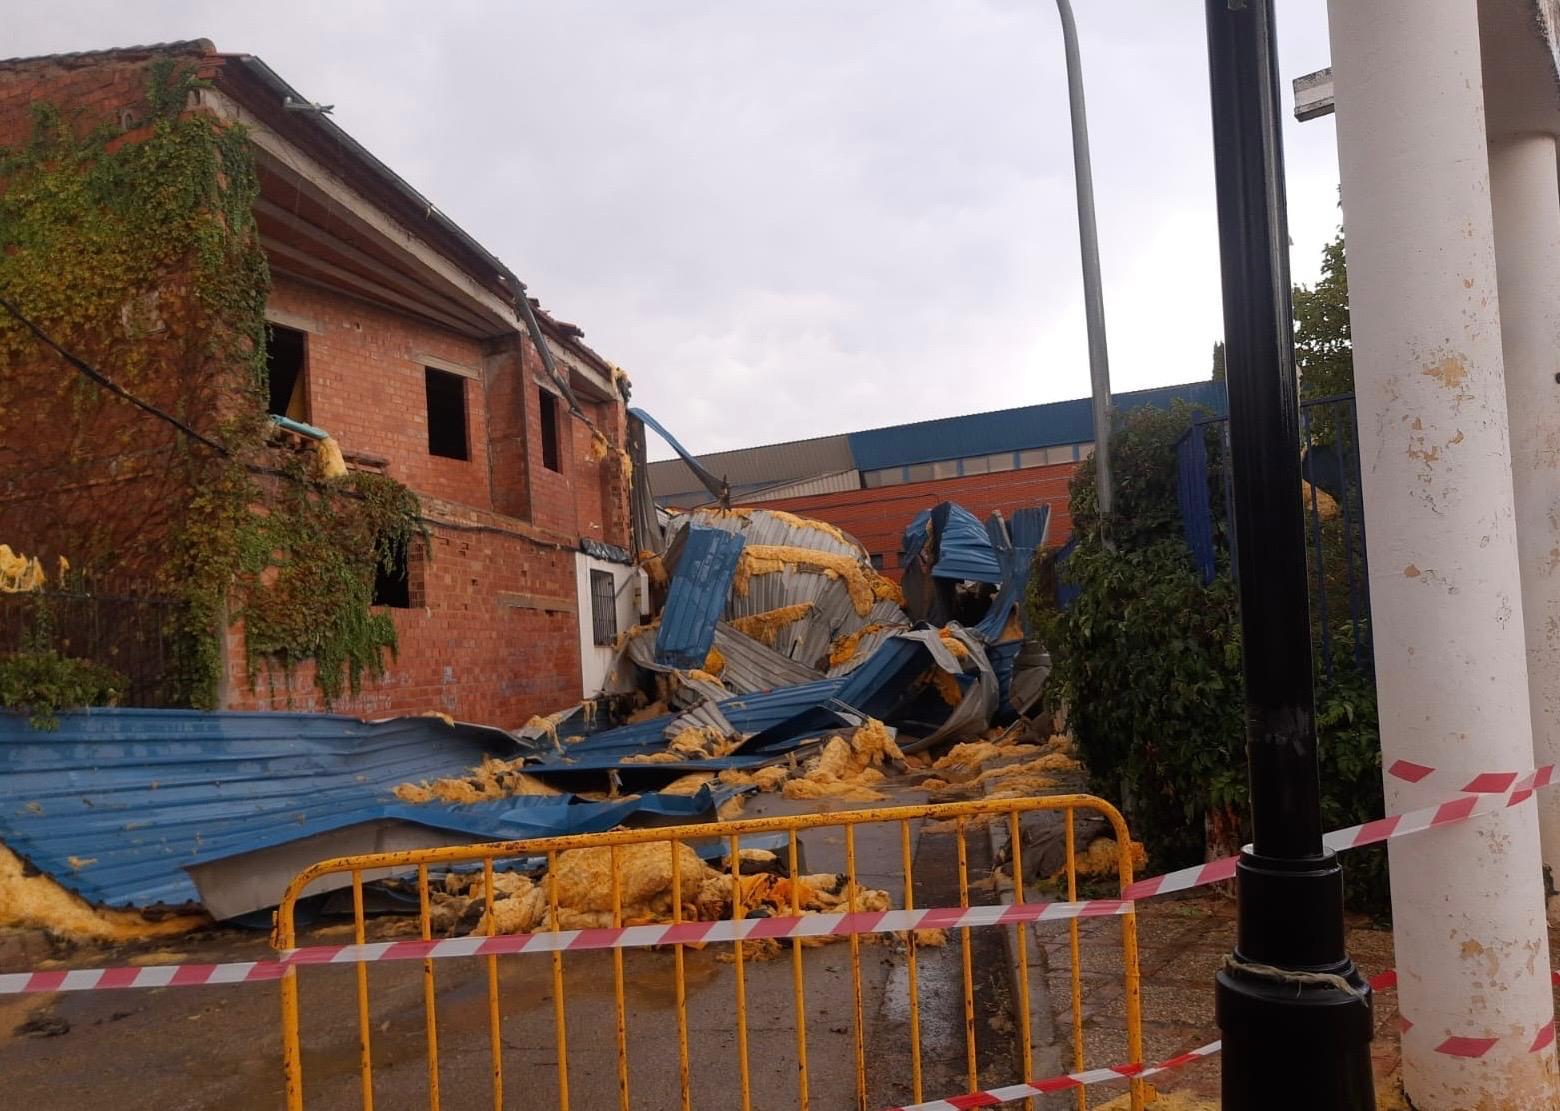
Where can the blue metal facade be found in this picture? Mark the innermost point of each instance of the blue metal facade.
(1032, 426)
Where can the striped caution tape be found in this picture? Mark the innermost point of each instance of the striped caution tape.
(1460, 1045)
(780, 927)
(1516, 790)
(623, 937)
(991, 1097)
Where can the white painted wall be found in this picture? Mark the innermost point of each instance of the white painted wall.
(596, 659)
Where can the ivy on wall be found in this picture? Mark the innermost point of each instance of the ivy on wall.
(139, 252)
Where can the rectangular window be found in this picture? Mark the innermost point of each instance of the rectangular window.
(1002, 461)
(549, 414)
(393, 584)
(446, 414)
(1035, 457)
(889, 476)
(1064, 454)
(877, 561)
(603, 608)
(977, 465)
(286, 356)
(918, 472)
(946, 468)
(1085, 450)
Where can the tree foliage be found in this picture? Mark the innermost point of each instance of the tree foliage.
(1147, 665)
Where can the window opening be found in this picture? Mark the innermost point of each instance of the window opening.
(446, 414)
(393, 584)
(286, 352)
(549, 412)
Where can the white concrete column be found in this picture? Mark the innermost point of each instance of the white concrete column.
(1525, 195)
(1472, 950)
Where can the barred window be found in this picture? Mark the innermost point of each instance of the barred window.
(603, 607)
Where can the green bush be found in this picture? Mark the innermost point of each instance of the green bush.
(1147, 664)
(41, 682)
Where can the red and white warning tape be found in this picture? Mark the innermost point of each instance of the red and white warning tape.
(798, 926)
(991, 1097)
(1517, 790)
(623, 937)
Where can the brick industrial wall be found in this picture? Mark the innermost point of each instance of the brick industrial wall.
(878, 517)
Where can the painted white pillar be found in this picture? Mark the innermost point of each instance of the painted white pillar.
(1472, 949)
(1525, 195)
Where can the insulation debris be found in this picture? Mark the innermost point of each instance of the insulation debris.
(1103, 858)
(848, 770)
(843, 650)
(20, 575)
(492, 779)
(598, 447)
(36, 902)
(864, 584)
(581, 886)
(765, 627)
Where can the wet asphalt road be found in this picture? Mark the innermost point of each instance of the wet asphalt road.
(219, 1047)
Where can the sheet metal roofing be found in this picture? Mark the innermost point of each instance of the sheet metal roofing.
(116, 804)
(1020, 429)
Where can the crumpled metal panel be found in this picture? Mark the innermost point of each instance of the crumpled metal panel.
(753, 666)
(954, 541)
(116, 803)
(866, 647)
(697, 596)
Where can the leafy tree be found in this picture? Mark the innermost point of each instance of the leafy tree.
(1218, 361)
(1324, 349)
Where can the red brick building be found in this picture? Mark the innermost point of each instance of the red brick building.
(405, 340)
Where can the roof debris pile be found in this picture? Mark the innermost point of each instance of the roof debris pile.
(780, 660)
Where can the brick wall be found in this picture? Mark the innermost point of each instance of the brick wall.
(878, 517)
(492, 636)
(494, 633)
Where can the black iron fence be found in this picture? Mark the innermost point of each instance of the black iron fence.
(1335, 522)
(135, 634)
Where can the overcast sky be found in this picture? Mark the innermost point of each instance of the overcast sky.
(786, 218)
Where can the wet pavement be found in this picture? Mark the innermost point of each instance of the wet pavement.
(205, 1047)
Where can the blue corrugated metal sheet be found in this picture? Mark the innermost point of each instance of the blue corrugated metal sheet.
(701, 583)
(116, 803)
(1032, 426)
(963, 551)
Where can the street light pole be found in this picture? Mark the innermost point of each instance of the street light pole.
(1089, 243)
(1294, 1012)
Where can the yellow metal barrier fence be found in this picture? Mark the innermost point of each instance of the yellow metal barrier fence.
(962, 817)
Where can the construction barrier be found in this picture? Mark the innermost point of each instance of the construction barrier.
(602, 926)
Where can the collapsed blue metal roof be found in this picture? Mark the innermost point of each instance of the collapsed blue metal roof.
(116, 803)
(1031, 426)
(705, 567)
(962, 548)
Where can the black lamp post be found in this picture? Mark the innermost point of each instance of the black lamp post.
(1294, 1012)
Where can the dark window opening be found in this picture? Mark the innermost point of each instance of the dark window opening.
(603, 608)
(393, 583)
(549, 412)
(446, 414)
(878, 561)
(286, 351)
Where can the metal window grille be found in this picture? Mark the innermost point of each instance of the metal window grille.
(603, 607)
